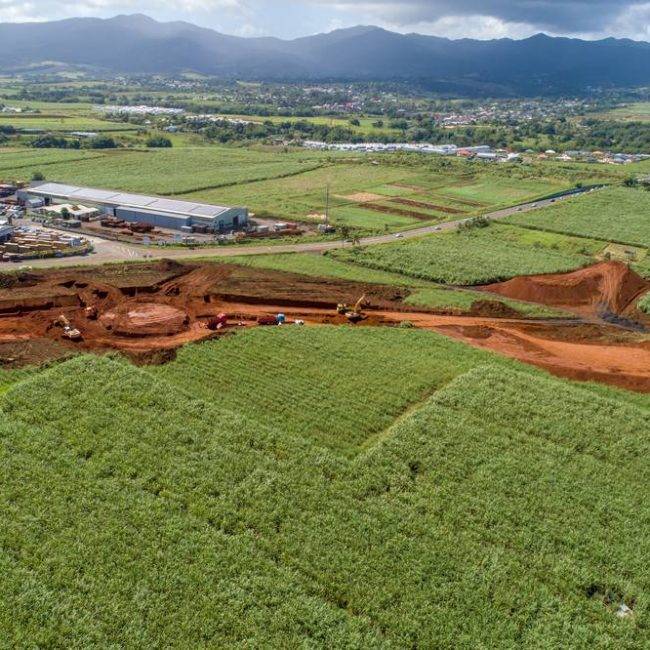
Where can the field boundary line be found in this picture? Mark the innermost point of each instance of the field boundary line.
(245, 182)
(54, 162)
(371, 443)
(567, 233)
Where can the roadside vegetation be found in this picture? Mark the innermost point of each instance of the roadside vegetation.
(476, 256)
(644, 303)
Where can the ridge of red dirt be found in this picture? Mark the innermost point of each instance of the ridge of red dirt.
(606, 286)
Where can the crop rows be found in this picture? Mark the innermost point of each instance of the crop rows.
(479, 256)
(156, 518)
(307, 381)
(615, 214)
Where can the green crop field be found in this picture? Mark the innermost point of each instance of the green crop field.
(169, 171)
(614, 214)
(61, 123)
(460, 500)
(638, 111)
(479, 256)
(423, 293)
(21, 163)
(323, 266)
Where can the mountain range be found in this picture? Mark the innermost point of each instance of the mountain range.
(138, 44)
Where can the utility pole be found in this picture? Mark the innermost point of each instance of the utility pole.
(327, 206)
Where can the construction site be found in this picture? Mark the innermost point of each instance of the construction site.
(147, 311)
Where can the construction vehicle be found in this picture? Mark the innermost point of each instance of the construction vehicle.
(354, 314)
(218, 322)
(69, 332)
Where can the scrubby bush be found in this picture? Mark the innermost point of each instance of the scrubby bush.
(159, 142)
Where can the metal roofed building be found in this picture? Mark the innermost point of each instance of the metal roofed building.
(161, 212)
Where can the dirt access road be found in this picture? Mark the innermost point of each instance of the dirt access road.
(112, 251)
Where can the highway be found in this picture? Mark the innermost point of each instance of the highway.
(112, 251)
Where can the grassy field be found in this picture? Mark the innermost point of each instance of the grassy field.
(614, 214)
(423, 293)
(635, 112)
(461, 500)
(479, 256)
(373, 196)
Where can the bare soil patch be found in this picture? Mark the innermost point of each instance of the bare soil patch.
(427, 206)
(602, 288)
(386, 209)
(364, 197)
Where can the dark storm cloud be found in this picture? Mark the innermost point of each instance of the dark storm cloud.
(568, 16)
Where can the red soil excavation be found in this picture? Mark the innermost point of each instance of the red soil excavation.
(145, 319)
(608, 287)
(148, 311)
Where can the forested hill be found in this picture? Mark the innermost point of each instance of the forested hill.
(138, 44)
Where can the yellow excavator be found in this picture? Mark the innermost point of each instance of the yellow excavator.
(355, 314)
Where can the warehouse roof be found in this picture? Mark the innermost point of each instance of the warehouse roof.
(73, 193)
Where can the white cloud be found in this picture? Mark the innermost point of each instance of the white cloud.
(452, 18)
(479, 27)
(634, 23)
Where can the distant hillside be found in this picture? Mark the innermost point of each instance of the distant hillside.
(138, 44)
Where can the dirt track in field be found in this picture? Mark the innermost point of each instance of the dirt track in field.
(401, 212)
(426, 206)
(149, 311)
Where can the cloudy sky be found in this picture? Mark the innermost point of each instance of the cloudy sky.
(292, 18)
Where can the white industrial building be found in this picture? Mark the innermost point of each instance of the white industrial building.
(161, 212)
(76, 211)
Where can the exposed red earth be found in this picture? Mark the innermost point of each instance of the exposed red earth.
(606, 287)
(148, 311)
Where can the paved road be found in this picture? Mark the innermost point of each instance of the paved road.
(112, 251)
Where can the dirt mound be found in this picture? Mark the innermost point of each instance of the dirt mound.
(605, 287)
(493, 309)
(145, 319)
(13, 280)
